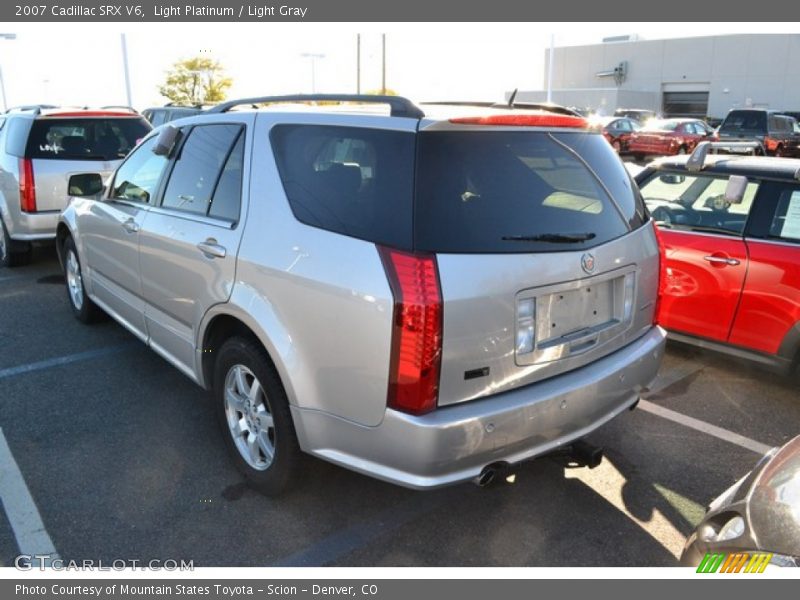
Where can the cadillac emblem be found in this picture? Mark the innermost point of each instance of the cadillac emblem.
(587, 263)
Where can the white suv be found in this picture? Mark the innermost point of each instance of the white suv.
(424, 298)
(40, 148)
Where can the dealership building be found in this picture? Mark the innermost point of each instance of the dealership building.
(697, 77)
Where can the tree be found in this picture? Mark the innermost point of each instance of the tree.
(196, 81)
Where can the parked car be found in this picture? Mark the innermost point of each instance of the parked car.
(773, 130)
(617, 130)
(641, 115)
(39, 150)
(667, 137)
(158, 115)
(732, 261)
(759, 516)
(424, 298)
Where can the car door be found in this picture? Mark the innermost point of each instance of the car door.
(109, 234)
(770, 306)
(705, 253)
(188, 243)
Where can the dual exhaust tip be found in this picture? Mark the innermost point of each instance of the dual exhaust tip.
(578, 454)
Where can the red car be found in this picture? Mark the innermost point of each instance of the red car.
(617, 130)
(731, 278)
(669, 136)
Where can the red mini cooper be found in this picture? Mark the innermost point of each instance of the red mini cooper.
(730, 230)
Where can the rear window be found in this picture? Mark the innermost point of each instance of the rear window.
(85, 139)
(509, 191)
(745, 120)
(472, 191)
(354, 181)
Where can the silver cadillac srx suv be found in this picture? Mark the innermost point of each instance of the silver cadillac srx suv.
(423, 298)
(40, 147)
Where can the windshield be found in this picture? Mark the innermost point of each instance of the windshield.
(745, 120)
(85, 139)
(655, 125)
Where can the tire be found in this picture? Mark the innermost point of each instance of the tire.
(13, 253)
(638, 157)
(253, 413)
(617, 146)
(682, 150)
(779, 151)
(82, 306)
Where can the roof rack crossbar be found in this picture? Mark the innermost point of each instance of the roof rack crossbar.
(697, 160)
(399, 106)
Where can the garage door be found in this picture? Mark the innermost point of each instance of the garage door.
(685, 104)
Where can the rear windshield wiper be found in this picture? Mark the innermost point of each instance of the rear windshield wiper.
(553, 238)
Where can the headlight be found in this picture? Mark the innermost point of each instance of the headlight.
(731, 530)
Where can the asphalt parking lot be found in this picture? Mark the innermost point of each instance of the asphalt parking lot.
(122, 457)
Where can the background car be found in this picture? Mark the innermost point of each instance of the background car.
(667, 137)
(775, 131)
(158, 115)
(617, 130)
(39, 149)
(640, 115)
(759, 514)
(732, 267)
(343, 282)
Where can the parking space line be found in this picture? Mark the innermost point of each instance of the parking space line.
(702, 426)
(64, 360)
(20, 508)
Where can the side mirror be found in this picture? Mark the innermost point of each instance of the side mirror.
(167, 140)
(85, 185)
(672, 178)
(734, 190)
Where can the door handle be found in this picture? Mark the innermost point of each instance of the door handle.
(130, 226)
(720, 260)
(211, 249)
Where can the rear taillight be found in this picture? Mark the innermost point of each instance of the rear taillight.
(27, 186)
(662, 274)
(416, 330)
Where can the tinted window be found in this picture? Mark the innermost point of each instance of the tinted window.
(158, 117)
(354, 181)
(696, 203)
(198, 168)
(495, 191)
(745, 120)
(226, 201)
(138, 177)
(85, 139)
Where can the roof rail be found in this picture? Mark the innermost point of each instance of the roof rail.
(400, 107)
(120, 107)
(697, 160)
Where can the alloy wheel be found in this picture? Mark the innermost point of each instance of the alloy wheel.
(249, 419)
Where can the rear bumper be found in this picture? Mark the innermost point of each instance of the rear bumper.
(28, 227)
(454, 443)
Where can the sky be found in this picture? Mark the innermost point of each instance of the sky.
(81, 64)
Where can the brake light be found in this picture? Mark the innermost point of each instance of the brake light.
(526, 121)
(27, 186)
(416, 330)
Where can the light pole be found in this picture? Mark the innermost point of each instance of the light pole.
(5, 36)
(313, 56)
(125, 69)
